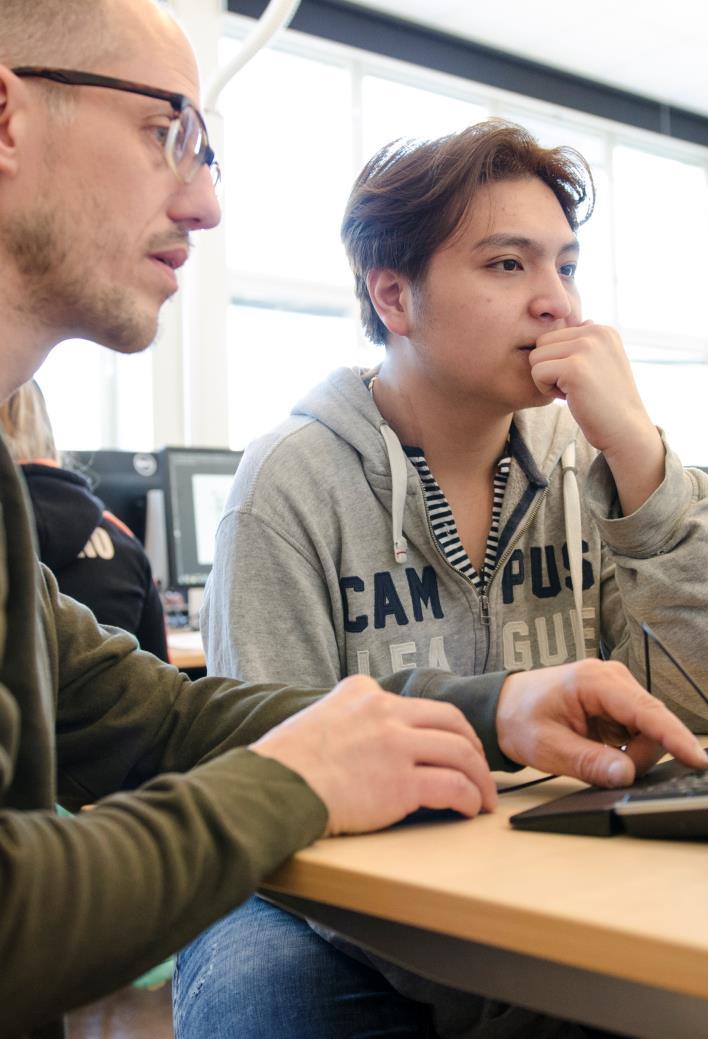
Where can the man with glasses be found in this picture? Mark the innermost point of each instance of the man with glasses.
(186, 143)
(104, 174)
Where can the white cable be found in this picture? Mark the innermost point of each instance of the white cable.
(277, 15)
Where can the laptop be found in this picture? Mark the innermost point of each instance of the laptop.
(669, 801)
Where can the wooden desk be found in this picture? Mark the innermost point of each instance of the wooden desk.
(610, 931)
(186, 650)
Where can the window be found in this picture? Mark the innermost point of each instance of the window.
(391, 109)
(276, 357)
(289, 160)
(661, 228)
(79, 371)
(642, 261)
(299, 121)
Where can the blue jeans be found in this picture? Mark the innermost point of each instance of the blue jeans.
(261, 973)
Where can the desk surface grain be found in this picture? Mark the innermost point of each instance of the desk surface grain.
(634, 909)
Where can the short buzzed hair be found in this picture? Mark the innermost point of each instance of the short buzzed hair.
(411, 198)
(59, 33)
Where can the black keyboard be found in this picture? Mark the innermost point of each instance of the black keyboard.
(675, 807)
(670, 801)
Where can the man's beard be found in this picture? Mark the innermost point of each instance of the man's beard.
(59, 287)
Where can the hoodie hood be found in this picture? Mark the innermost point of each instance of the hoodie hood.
(66, 512)
(344, 405)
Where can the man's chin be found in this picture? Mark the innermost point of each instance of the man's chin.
(130, 335)
(542, 402)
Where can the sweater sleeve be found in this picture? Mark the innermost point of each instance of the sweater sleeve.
(92, 901)
(88, 903)
(655, 571)
(268, 606)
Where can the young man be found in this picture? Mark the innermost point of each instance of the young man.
(101, 184)
(470, 547)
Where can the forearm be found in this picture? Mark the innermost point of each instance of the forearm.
(111, 893)
(637, 465)
(654, 573)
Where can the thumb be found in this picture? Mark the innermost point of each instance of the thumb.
(595, 763)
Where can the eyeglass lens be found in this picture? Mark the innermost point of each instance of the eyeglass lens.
(187, 145)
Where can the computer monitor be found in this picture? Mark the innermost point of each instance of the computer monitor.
(196, 482)
(121, 479)
(171, 499)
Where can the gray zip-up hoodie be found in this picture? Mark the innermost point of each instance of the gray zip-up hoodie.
(326, 519)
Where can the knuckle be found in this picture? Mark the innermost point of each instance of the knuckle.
(589, 765)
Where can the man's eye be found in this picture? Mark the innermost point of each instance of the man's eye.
(507, 265)
(568, 270)
(160, 134)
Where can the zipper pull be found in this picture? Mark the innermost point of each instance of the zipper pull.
(484, 609)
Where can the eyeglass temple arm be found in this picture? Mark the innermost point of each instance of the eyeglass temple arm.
(648, 632)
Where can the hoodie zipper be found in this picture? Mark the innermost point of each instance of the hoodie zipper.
(483, 598)
(530, 516)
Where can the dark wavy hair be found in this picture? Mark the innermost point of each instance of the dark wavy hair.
(411, 197)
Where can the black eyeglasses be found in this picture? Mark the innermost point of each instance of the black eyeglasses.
(186, 143)
(649, 634)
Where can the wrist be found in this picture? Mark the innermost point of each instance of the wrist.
(638, 467)
(507, 720)
(640, 442)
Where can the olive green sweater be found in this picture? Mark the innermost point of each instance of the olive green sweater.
(187, 821)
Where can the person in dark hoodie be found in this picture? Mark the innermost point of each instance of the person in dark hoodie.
(94, 556)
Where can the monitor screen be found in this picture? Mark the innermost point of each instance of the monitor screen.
(196, 484)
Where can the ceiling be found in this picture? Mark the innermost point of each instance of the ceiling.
(651, 47)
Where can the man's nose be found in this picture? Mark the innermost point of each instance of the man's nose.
(553, 299)
(195, 206)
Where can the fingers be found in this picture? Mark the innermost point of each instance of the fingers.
(644, 752)
(436, 714)
(555, 343)
(592, 762)
(448, 752)
(373, 757)
(547, 376)
(610, 689)
(549, 718)
(446, 788)
(563, 356)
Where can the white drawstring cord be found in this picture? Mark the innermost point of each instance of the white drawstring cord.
(574, 539)
(399, 487)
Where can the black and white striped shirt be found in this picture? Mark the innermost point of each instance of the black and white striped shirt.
(443, 524)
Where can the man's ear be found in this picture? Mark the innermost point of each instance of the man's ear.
(391, 296)
(12, 97)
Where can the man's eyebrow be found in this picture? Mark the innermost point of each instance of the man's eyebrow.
(512, 241)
